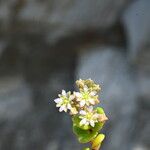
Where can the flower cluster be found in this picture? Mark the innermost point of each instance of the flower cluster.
(81, 103)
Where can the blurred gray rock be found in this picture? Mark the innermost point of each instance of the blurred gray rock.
(15, 98)
(108, 66)
(59, 18)
(41, 40)
(140, 148)
(75, 16)
(28, 127)
(136, 20)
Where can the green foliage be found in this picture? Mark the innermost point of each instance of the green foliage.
(84, 136)
(85, 133)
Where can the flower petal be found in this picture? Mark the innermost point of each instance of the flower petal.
(83, 121)
(72, 97)
(85, 88)
(92, 123)
(82, 112)
(87, 123)
(57, 100)
(92, 101)
(62, 108)
(58, 105)
(90, 109)
(96, 116)
(64, 93)
(65, 109)
(68, 106)
(82, 103)
(77, 94)
(93, 93)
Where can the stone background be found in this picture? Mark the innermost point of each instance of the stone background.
(45, 45)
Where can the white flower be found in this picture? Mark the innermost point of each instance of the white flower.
(88, 117)
(86, 97)
(64, 101)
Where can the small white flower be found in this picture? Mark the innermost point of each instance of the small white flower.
(88, 117)
(64, 101)
(86, 98)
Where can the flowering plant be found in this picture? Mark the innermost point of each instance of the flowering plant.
(87, 120)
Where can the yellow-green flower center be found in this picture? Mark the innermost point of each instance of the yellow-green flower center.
(65, 100)
(85, 95)
(89, 116)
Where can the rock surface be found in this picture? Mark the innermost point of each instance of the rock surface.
(136, 20)
(46, 44)
(13, 95)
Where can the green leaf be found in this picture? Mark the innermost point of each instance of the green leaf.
(98, 126)
(84, 136)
